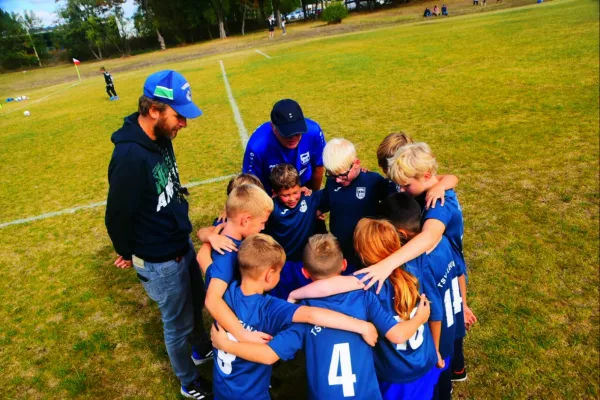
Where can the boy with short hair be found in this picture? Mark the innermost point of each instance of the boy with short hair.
(349, 195)
(414, 167)
(291, 223)
(261, 259)
(110, 84)
(248, 208)
(340, 363)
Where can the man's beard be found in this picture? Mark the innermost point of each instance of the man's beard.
(162, 131)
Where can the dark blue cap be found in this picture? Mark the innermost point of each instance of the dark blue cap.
(170, 87)
(287, 116)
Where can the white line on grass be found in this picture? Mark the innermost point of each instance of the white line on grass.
(94, 205)
(42, 99)
(260, 52)
(236, 112)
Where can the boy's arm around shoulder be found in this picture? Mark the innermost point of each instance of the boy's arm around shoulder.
(404, 330)
(335, 320)
(446, 182)
(204, 257)
(326, 287)
(254, 352)
(220, 311)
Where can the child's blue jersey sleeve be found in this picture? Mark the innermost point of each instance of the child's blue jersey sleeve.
(317, 142)
(382, 319)
(279, 314)
(286, 343)
(421, 268)
(223, 267)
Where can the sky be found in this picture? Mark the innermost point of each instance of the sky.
(45, 9)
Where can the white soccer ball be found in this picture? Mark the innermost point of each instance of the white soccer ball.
(19, 98)
(27, 113)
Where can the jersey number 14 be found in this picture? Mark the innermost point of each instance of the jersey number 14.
(452, 302)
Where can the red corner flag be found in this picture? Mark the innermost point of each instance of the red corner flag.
(76, 61)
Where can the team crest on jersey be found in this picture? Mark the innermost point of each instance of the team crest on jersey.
(303, 206)
(360, 192)
(305, 158)
(272, 166)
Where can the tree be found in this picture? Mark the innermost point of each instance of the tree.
(31, 23)
(145, 20)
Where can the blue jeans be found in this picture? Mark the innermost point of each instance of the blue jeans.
(168, 284)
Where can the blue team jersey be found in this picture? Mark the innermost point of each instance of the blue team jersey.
(445, 272)
(224, 266)
(407, 362)
(339, 363)
(451, 216)
(393, 187)
(291, 227)
(236, 378)
(348, 205)
(263, 152)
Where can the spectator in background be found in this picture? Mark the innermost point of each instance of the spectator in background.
(427, 12)
(283, 24)
(436, 10)
(444, 10)
(271, 22)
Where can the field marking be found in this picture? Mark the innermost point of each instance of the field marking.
(261, 53)
(42, 99)
(236, 111)
(95, 205)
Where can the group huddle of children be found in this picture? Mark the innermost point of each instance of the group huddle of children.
(392, 265)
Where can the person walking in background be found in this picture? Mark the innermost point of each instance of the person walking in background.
(283, 25)
(110, 84)
(271, 23)
(148, 223)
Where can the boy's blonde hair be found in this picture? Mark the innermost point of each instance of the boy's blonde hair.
(259, 252)
(338, 155)
(248, 198)
(411, 161)
(322, 256)
(242, 179)
(389, 146)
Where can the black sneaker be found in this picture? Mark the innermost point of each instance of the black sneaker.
(197, 390)
(459, 376)
(200, 356)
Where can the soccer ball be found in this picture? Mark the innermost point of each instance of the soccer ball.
(27, 113)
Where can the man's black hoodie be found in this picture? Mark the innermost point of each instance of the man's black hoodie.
(146, 213)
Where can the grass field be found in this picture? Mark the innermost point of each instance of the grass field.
(508, 99)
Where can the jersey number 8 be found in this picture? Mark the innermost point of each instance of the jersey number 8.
(224, 360)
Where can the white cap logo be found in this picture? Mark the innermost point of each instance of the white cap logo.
(291, 116)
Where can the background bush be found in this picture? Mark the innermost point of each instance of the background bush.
(335, 13)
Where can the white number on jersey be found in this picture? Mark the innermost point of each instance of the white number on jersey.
(452, 303)
(341, 357)
(224, 360)
(417, 339)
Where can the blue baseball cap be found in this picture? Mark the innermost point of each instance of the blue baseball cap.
(170, 87)
(287, 116)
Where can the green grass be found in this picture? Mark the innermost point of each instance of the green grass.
(507, 99)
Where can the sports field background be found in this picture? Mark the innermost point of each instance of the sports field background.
(507, 98)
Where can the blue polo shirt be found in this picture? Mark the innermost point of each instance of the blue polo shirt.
(339, 364)
(264, 152)
(348, 205)
(224, 266)
(291, 227)
(236, 378)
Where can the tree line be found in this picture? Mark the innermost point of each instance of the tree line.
(96, 29)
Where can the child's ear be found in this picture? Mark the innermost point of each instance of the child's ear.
(404, 236)
(427, 176)
(344, 264)
(269, 275)
(305, 273)
(274, 194)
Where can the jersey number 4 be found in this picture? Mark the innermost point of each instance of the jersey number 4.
(452, 302)
(340, 360)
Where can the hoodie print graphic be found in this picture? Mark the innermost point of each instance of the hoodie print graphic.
(166, 179)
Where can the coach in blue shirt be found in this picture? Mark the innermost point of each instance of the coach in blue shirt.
(288, 138)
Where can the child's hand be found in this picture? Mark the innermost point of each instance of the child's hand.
(220, 243)
(305, 191)
(423, 310)
(222, 217)
(255, 337)
(369, 334)
(219, 338)
(320, 215)
(120, 263)
(470, 317)
(376, 273)
(440, 362)
(433, 195)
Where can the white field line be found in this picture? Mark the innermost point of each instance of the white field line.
(261, 53)
(94, 205)
(41, 99)
(236, 112)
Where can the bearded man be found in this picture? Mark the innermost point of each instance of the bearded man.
(148, 223)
